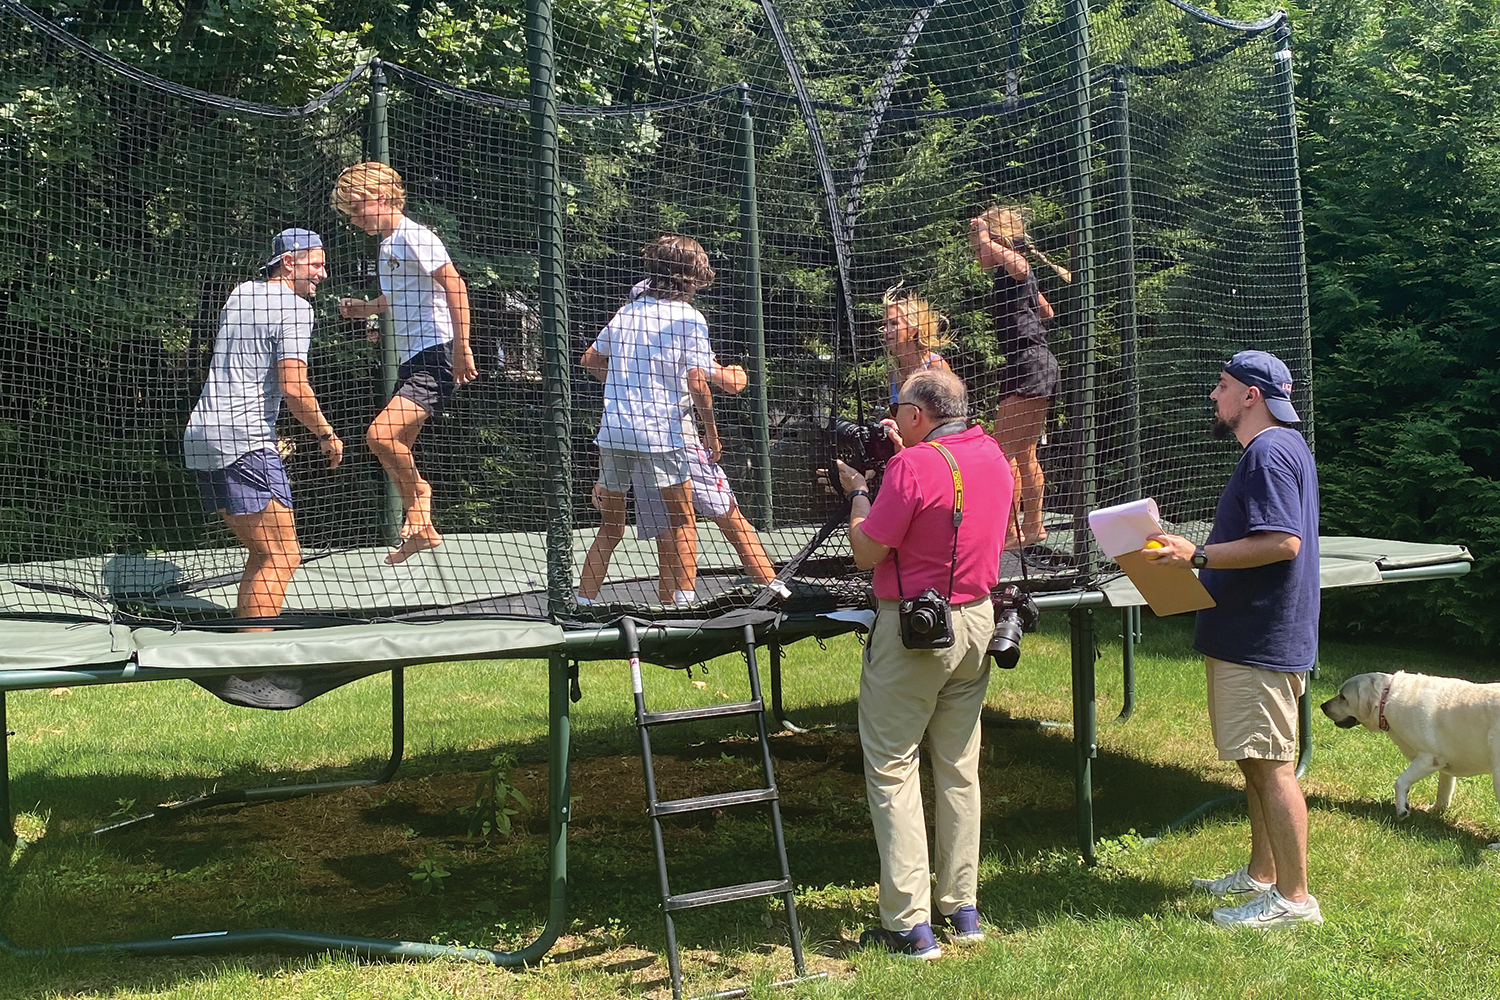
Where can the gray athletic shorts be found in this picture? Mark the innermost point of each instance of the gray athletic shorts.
(660, 469)
(247, 485)
(712, 496)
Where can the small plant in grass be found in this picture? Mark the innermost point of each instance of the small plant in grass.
(490, 812)
(429, 873)
(124, 809)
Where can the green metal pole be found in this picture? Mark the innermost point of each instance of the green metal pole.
(1291, 216)
(7, 821)
(755, 317)
(380, 150)
(552, 293)
(559, 799)
(1085, 726)
(1080, 167)
(1125, 276)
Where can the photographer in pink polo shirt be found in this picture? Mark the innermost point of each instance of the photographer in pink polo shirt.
(933, 537)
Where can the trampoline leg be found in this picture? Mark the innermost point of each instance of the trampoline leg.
(559, 799)
(7, 822)
(1085, 726)
(1304, 727)
(777, 711)
(1130, 634)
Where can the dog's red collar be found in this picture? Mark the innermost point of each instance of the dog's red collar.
(1384, 725)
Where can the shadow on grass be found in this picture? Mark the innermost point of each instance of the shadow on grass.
(1419, 824)
(341, 863)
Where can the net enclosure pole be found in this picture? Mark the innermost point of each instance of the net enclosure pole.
(552, 304)
(1080, 167)
(1120, 158)
(390, 361)
(1291, 216)
(755, 316)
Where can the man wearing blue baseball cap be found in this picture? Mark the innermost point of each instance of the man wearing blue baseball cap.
(259, 359)
(1260, 564)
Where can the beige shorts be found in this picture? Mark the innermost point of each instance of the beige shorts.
(1253, 711)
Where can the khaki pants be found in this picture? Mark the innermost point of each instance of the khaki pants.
(902, 694)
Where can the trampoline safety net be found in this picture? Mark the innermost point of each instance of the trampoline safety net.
(1111, 184)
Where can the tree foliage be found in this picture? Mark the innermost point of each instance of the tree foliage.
(1401, 163)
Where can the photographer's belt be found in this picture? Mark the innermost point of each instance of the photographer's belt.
(958, 518)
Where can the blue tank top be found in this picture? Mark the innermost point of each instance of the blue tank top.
(896, 389)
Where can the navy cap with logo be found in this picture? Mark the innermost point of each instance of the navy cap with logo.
(290, 241)
(1270, 375)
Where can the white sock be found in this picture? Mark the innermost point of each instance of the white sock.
(684, 597)
(586, 600)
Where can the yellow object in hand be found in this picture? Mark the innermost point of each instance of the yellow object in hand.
(1154, 544)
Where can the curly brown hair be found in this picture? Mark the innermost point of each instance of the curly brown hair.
(676, 267)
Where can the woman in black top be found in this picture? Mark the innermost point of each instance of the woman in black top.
(1030, 380)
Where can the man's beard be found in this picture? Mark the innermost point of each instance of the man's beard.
(1221, 428)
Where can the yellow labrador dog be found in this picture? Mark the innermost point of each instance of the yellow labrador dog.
(1443, 725)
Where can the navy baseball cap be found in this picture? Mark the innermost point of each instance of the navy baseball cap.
(290, 241)
(1270, 375)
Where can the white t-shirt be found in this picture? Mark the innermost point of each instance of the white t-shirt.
(419, 306)
(650, 345)
(261, 324)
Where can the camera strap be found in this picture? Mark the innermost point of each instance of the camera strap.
(958, 518)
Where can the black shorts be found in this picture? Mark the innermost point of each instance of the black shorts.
(1032, 374)
(426, 378)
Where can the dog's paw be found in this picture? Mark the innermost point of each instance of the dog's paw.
(1402, 813)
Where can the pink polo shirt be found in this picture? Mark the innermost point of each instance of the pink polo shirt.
(913, 513)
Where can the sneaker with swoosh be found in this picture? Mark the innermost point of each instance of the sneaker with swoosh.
(1237, 883)
(1269, 910)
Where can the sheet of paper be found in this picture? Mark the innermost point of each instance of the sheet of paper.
(1124, 527)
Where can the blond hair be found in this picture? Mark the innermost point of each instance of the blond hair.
(1006, 221)
(676, 267)
(1009, 223)
(368, 180)
(930, 324)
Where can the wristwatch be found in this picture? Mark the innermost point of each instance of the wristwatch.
(861, 492)
(1200, 557)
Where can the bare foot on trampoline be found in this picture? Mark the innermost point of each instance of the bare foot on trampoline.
(418, 541)
(418, 517)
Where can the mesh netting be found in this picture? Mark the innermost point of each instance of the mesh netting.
(820, 154)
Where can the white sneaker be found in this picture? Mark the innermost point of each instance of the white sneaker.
(1268, 910)
(1236, 883)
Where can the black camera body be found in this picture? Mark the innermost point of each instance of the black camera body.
(862, 447)
(1015, 614)
(926, 621)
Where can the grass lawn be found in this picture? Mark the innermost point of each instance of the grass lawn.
(1411, 906)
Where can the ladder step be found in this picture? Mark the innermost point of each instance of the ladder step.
(703, 803)
(710, 712)
(727, 894)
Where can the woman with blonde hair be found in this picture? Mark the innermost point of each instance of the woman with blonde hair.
(913, 330)
(1030, 379)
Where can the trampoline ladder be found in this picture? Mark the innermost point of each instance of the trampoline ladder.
(656, 808)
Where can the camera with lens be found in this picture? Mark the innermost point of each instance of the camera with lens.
(926, 621)
(1015, 613)
(862, 447)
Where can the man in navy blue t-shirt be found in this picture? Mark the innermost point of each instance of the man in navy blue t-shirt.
(1260, 564)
